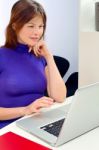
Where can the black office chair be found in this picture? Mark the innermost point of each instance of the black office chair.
(62, 65)
(72, 84)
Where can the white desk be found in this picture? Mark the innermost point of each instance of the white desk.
(88, 141)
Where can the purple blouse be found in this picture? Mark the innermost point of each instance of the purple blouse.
(22, 78)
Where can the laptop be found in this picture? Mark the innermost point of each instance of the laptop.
(63, 124)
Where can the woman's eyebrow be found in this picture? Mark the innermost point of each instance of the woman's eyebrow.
(35, 23)
(31, 23)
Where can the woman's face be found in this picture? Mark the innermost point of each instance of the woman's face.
(31, 32)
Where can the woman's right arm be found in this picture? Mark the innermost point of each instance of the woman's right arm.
(12, 113)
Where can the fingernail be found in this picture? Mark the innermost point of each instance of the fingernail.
(29, 50)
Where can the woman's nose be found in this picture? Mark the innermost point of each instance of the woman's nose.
(36, 31)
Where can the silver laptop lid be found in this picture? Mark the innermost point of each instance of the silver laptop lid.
(83, 115)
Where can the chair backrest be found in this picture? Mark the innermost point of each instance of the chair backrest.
(62, 65)
(72, 84)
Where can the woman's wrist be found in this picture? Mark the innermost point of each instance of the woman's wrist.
(49, 57)
(24, 111)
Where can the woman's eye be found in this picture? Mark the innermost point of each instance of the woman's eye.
(35, 27)
(41, 26)
(31, 26)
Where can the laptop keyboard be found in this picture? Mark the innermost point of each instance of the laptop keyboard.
(54, 128)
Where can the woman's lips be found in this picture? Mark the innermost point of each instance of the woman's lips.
(34, 38)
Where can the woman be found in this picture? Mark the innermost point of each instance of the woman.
(27, 68)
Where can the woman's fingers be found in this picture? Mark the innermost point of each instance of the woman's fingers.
(43, 102)
(42, 105)
(35, 50)
(30, 49)
(38, 48)
(46, 100)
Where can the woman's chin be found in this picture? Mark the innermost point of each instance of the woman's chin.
(32, 43)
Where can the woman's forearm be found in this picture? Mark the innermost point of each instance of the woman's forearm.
(11, 113)
(56, 84)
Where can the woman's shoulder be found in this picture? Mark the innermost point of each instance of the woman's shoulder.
(4, 53)
(2, 57)
(4, 50)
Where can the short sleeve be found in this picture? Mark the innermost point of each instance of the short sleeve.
(44, 61)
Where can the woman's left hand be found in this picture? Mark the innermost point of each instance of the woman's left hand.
(40, 49)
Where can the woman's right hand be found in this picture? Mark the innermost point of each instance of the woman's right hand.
(35, 106)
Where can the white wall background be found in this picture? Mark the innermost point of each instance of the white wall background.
(87, 15)
(88, 58)
(62, 28)
(88, 44)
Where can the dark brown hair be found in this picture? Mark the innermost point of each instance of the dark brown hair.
(22, 12)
